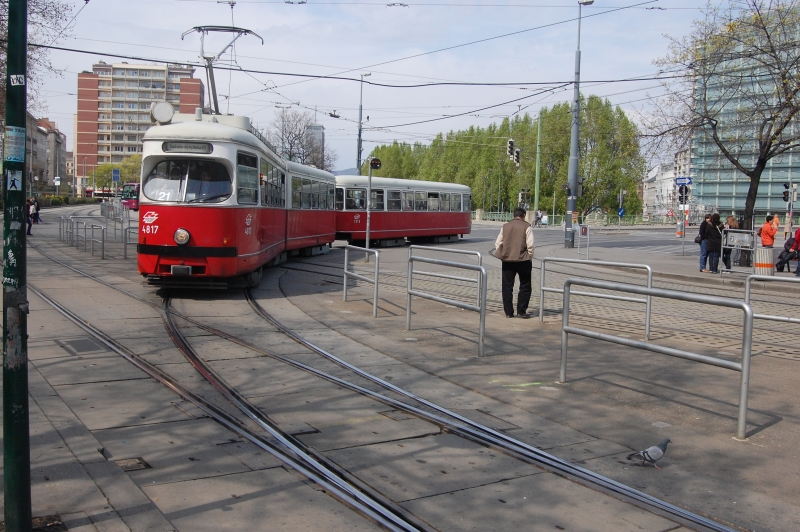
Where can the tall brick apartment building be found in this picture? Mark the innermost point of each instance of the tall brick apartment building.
(114, 109)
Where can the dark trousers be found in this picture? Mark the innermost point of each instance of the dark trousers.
(510, 272)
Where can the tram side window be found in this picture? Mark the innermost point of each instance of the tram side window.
(247, 179)
(297, 193)
(420, 201)
(408, 201)
(444, 201)
(394, 200)
(266, 174)
(376, 202)
(331, 190)
(433, 201)
(467, 207)
(455, 202)
(354, 199)
(315, 194)
(306, 193)
(280, 188)
(339, 199)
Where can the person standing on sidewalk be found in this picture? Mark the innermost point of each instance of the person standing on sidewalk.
(514, 246)
(768, 231)
(713, 236)
(730, 223)
(703, 244)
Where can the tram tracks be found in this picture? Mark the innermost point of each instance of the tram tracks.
(285, 447)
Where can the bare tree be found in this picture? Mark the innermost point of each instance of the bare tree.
(735, 86)
(292, 135)
(46, 19)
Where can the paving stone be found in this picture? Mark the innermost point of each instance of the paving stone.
(365, 431)
(534, 502)
(428, 466)
(271, 498)
(175, 451)
(88, 369)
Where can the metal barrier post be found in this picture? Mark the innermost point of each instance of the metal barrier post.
(769, 278)
(374, 281)
(747, 335)
(647, 300)
(482, 282)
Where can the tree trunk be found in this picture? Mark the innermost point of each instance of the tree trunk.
(750, 201)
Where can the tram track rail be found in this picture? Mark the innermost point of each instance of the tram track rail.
(447, 420)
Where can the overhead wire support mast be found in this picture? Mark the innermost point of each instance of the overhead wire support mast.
(210, 59)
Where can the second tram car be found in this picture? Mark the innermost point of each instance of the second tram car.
(217, 203)
(402, 209)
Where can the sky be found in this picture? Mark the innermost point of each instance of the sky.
(399, 43)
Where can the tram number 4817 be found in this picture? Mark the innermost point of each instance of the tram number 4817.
(150, 229)
(248, 230)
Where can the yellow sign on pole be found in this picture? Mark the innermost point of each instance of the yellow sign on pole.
(574, 217)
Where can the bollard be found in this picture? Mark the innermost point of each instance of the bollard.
(764, 263)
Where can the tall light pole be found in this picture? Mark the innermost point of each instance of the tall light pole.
(572, 171)
(360, 109)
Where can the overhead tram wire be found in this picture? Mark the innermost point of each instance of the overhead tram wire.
(431, 4)
(487, 39)
(86, 3)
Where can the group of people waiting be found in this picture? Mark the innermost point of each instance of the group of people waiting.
(710, 235)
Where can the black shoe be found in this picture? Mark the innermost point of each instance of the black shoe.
(509, 315)
(523, 316)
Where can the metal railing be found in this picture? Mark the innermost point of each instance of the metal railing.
(647, 301)
(480, 308)
(751, 278)
(412, 247)
(747, 335)
(354, 275)
(126, 240)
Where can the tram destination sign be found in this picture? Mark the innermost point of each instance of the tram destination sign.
(187, 147)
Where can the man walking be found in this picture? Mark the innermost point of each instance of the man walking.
(514, 246)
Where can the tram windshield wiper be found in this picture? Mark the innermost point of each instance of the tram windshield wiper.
(209, 198)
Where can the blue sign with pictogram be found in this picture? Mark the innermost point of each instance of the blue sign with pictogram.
(683, 180)
(621, 212)
(115, 175)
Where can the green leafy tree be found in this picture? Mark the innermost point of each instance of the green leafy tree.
(130, 170)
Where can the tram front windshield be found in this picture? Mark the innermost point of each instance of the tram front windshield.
(190, 180)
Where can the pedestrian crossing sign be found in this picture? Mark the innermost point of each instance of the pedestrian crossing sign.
(14, 181)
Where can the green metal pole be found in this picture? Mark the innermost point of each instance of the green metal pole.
(538, 165)
(16, 436)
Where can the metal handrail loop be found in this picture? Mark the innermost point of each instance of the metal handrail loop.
(481, 282)
(647, 301)
(126, 240)
(747, 287)
(478, 254)
(354, 275)
(747, 335)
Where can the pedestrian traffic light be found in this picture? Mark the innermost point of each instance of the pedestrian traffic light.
(579, 188)
(516, 157)
(786, 192)
(375, 163)
(510, 148)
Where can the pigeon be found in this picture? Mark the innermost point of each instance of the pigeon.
(652, 454)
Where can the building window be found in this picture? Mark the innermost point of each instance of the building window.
(133, 106)
(158, 84)
(132, 127)
(118, 148)
(133, 95)
(158, 74)
(119, 105)
(132, 149)
(104, 105)
(119, 116)
(131, 138)
(145, 84)
(119, 83)
(173, 87)
(133, 72)
(119, 127)
(119, 137)
(119, 94)
(103, 83)
(144, 73)
(133, 84)
(104, 94)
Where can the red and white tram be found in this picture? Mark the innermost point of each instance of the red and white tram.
(401, 209)
(217, 203)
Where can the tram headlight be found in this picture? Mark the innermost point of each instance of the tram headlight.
(181, 236)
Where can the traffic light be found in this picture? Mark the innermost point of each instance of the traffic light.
(579, 188)
(786, 192)
(516, 157)
(510, 148)
(375, 163)
(683, 194)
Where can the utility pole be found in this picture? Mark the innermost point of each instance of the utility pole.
(16, 425)
(360, 122)
(538, 164)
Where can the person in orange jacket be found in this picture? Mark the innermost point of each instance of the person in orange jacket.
(768, 231)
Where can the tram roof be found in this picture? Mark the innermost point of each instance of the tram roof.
(216, 132)
(403, 184)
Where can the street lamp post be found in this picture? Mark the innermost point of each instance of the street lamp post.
(360, 112)
(572, 171)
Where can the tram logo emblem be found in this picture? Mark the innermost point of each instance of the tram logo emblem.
(249, 219)
(357, 219)
(150, 217)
